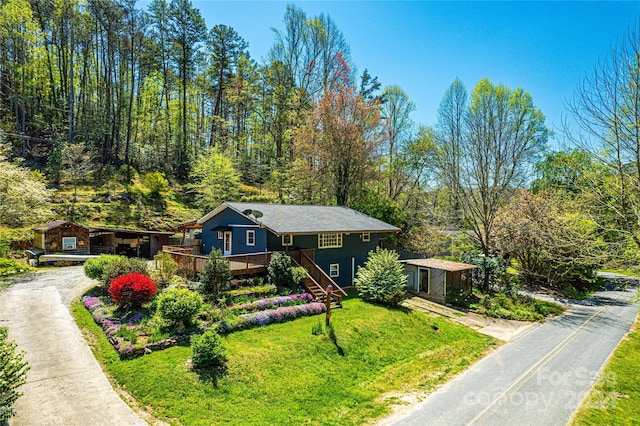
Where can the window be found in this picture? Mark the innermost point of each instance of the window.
(334, 270)
(329, 241)
(251, 238)
(68, 243)
(220, 235)
(287, 240)
(366, 237)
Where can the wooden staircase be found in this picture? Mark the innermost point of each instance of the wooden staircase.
(317, 281)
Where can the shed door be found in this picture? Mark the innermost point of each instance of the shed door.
(227, 243)
(412, 281)
(437, 282)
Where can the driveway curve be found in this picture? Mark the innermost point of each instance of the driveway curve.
(65, 385)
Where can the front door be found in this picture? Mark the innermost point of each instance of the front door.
(227, 243)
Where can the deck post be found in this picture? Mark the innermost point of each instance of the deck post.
(328, 304)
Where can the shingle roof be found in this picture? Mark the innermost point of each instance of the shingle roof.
(296, 219)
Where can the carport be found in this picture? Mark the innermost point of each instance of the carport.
(128, 242)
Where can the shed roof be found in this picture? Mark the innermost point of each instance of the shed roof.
(291, 219)
(444, 265)
(55, 224)
(128, 231)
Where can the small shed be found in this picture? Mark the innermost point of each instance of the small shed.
(433, 277)
(61, 236)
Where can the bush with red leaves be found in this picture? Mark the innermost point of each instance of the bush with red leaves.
(132, 290)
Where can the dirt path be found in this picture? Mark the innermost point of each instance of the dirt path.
(66, 385)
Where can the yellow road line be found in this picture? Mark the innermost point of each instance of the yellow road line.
(535, 367)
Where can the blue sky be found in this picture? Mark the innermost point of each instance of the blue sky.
(545, 47)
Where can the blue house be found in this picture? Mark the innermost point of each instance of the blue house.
(335, 239)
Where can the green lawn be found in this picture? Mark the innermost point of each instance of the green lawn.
(283, 374)
(615, 399)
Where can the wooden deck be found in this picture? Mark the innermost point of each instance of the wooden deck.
(316, 282)
(241, 264)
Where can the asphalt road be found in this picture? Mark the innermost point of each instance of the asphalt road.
(65, 385)
(539, 379)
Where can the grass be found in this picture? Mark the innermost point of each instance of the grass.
(284, 374)
(517, 307)
(615, 399)
(499, 305)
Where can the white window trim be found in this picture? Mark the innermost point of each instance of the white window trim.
(220, 235)
(334, 270)
(366, 237)
(329, 241)
(251, 235)
(66, 241)
(285, 243)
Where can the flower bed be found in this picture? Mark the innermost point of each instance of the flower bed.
(270, 316)
(274, 302)
(128, 338)
(113, 327)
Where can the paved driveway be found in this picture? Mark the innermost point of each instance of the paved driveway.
(540, 378)
(65, 385)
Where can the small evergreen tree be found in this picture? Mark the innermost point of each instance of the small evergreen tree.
(13, 373)
(216, 273)
(280, 272)
(209, 358)
(382, 279)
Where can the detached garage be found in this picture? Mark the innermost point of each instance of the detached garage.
(433, 277)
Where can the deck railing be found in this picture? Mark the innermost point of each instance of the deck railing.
(317, 280)
(239, 264)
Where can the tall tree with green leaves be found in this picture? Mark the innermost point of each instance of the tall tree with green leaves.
(225, 46)
(450, 131)
(397, 125)
(186, 30)
(504, 135)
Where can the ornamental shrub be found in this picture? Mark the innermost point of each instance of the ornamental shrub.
(165, 267)
(280, 271)
(13, 374)
(208, 350)
(179, 305)
(216, 273)
(132, 290)
(382, 278)
(123, 266)
(155, 183)
(94, 267)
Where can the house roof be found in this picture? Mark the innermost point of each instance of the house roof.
(444, 265)
(291, 219)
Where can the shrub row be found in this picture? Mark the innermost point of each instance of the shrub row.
(272, 302)
(260, 290)
(271, 316)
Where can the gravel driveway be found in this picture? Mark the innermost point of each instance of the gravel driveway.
(66, 385)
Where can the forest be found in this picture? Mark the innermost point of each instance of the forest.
(152, 107)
